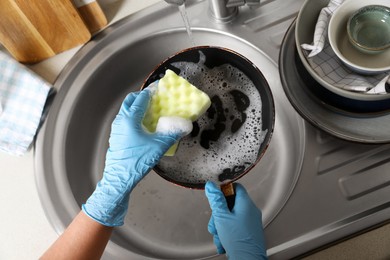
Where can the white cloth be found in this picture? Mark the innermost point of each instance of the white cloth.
(381, 88)
(23, 95)
(321, 29)
(330, 68)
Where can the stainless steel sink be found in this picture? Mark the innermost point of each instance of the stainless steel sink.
(303, 184)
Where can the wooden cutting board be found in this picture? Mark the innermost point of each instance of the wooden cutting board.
(92, 14)
(34, 30)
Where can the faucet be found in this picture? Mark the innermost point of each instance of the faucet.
(223, 10)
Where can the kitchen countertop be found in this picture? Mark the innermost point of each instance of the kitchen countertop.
(26, 233)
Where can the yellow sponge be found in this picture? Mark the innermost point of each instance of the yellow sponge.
(175, 96)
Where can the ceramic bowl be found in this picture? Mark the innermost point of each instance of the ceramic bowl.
(361, 62)
(304, 31)
(369, 29)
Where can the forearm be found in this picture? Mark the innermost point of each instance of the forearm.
(132, 153)
(83, 239)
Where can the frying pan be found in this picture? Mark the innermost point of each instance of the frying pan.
(234, 133)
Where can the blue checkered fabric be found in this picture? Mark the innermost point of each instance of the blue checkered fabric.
(22, 98)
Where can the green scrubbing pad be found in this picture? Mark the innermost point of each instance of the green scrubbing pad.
(175, 96)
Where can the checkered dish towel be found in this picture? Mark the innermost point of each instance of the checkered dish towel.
(22, 98)
(330, 68)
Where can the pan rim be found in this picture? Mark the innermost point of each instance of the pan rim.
(264, 145)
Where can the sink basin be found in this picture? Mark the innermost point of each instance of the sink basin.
(164, 221)
(313, 189)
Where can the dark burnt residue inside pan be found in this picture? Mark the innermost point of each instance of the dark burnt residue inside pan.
(216, 113)
(242, 103)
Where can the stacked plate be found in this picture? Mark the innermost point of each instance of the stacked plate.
(340, 111)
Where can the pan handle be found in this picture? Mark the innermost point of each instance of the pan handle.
(230, 194)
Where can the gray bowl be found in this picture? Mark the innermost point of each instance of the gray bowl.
(356, 60)
(369, 29)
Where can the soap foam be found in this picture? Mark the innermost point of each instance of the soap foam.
(233, 151)
(174, 125)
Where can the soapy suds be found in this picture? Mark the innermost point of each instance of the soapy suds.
(174, 125)
(227, 138)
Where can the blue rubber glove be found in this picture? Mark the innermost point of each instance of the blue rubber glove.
(132, 153)
(239, 232)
